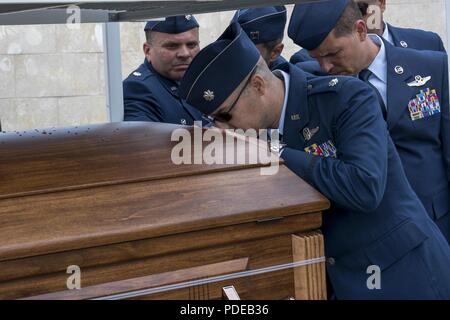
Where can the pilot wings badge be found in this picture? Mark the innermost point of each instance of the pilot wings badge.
(309, 133)
(419, 81)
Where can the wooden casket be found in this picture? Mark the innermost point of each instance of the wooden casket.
(105, 209)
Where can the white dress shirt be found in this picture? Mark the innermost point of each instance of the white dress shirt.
(387, 35)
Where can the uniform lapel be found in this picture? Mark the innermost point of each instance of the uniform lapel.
(194, 113)
(169, 85)
(297, 115)
(398, 91)
(396, 36)
(172, 88)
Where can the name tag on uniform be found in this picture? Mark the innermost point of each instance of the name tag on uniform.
(424, 105)
(326, 150)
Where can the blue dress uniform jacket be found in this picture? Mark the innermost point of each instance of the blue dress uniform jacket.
(424, 143)
(336, 140)
(301, 56)
(277, 63)
(148, 96)
(422, 135)
(416, 39)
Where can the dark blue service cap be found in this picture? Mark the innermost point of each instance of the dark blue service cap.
(176, 24)
(218, 69)
(311, 23)
(262, 24)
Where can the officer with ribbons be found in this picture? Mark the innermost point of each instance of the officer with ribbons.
(335, 139)
(411, 87)
(151, 91)
(265, 27)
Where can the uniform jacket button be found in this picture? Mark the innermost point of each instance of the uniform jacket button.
(331, 261)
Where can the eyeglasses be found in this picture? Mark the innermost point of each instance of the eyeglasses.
(225, 116)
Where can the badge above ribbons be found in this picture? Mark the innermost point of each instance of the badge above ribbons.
(326, 150)
(424, 105)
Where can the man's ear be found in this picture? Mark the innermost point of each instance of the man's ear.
(361, 29)
(147, 48)
(276, 52)
(382, 5)
(258, 83)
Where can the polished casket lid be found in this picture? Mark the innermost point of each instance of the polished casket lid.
(45, 160)
(80, 187)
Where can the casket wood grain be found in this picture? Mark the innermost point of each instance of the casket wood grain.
(108, 199)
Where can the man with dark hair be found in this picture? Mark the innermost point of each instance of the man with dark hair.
(265, 27)
(412, 90)
(399, 37)
(151, 91)
(336, 140)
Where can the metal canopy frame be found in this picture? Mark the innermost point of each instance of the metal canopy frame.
(19, 12)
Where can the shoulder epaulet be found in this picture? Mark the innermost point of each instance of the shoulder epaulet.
(140, 73)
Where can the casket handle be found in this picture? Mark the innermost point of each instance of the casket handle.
(230, 293)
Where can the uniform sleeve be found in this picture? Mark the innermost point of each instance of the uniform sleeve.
(277, 63)
(295, 58)
(356, 179)
(312, 67)
(139, 103)
(445, 118)
(300, 56)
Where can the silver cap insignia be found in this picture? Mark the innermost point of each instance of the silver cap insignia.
(208, 95)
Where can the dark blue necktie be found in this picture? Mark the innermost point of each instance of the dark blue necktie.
(364, 76)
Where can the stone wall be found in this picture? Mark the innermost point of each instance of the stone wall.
(51, 75)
